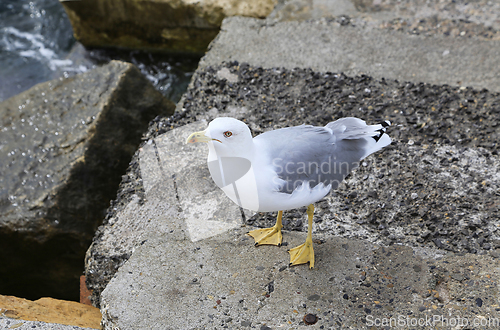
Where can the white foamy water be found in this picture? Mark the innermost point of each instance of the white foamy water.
(33, 46)
(35, 40)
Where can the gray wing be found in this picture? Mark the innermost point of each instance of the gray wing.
(310, 153)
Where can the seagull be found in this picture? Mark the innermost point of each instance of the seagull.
(286, 168)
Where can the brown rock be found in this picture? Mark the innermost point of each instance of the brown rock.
(172, 25)
(51, 311)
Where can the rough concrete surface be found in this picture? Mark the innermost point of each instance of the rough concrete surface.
(410, 240)
(457, 19)
(225, 282)
(436, 185)
(229, 282)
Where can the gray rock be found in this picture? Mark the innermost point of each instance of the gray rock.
(64, 145)
(171, 264)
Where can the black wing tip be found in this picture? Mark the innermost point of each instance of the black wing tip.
(377, 137)
(384, 124)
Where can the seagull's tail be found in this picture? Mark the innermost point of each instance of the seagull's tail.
(374, 136)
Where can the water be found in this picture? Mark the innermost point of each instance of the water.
(35, 37)
(37, 44)
(170, 75)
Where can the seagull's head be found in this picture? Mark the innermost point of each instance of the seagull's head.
(227, 137)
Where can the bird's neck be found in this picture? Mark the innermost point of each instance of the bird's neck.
(245, 151)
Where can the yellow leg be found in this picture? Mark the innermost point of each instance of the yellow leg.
(304, 253)
(271, 235)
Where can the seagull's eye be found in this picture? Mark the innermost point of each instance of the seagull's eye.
(227, 134)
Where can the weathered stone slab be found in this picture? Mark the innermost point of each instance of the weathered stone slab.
(225, 281)
(64, 145)
(327, 46)
(172, 25)
(459, 18)
(206, 211)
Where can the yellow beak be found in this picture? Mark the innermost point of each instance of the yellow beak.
(198, 137)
